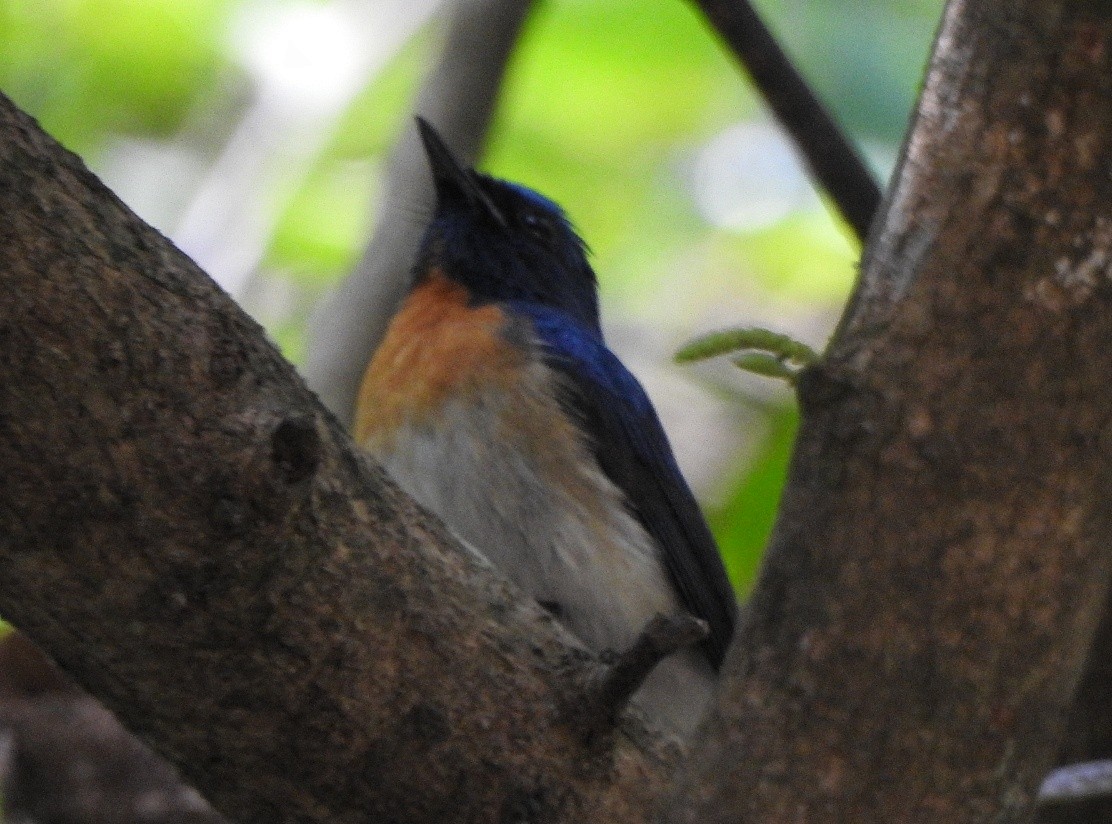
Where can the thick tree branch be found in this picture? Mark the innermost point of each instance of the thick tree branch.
(834, 162)
(942, 558)
(191, 535)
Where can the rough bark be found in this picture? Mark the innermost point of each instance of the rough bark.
(191, 535)
(942, 557)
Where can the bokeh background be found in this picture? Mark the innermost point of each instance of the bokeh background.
(254, 133)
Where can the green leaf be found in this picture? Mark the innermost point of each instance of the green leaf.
(770, 367)
(777, 345)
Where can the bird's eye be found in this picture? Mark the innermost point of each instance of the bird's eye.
(539, 227)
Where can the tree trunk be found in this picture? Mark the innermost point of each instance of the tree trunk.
(942, 554)
(194, 538)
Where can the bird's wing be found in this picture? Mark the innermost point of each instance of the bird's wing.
(633, 451)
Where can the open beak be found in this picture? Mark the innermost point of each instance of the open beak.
(449, 177)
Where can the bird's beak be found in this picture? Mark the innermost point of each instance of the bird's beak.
(449, 177)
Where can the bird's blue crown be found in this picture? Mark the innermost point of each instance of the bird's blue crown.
(505, 242)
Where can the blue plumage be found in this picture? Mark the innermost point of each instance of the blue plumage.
(543, 452)
(581, 350)
(632, 449)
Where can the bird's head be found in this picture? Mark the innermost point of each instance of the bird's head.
(503, 241)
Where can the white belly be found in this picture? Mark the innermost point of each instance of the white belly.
(513, 478)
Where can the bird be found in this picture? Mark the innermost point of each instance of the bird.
(494, 401)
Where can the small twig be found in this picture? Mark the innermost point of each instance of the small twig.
(661, 637)
(832, 159)
(1076, 782)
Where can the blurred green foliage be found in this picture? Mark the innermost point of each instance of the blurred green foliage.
(743, 522)
(608, 104)
(91, 68)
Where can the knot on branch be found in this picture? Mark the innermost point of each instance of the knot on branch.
(296, 448)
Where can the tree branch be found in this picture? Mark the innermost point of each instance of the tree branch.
(834, 162)
(196, 541)
(941, 557)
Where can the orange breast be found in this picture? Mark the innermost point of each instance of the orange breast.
(436, 348)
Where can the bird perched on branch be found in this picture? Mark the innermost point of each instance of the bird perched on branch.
(494, 401)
